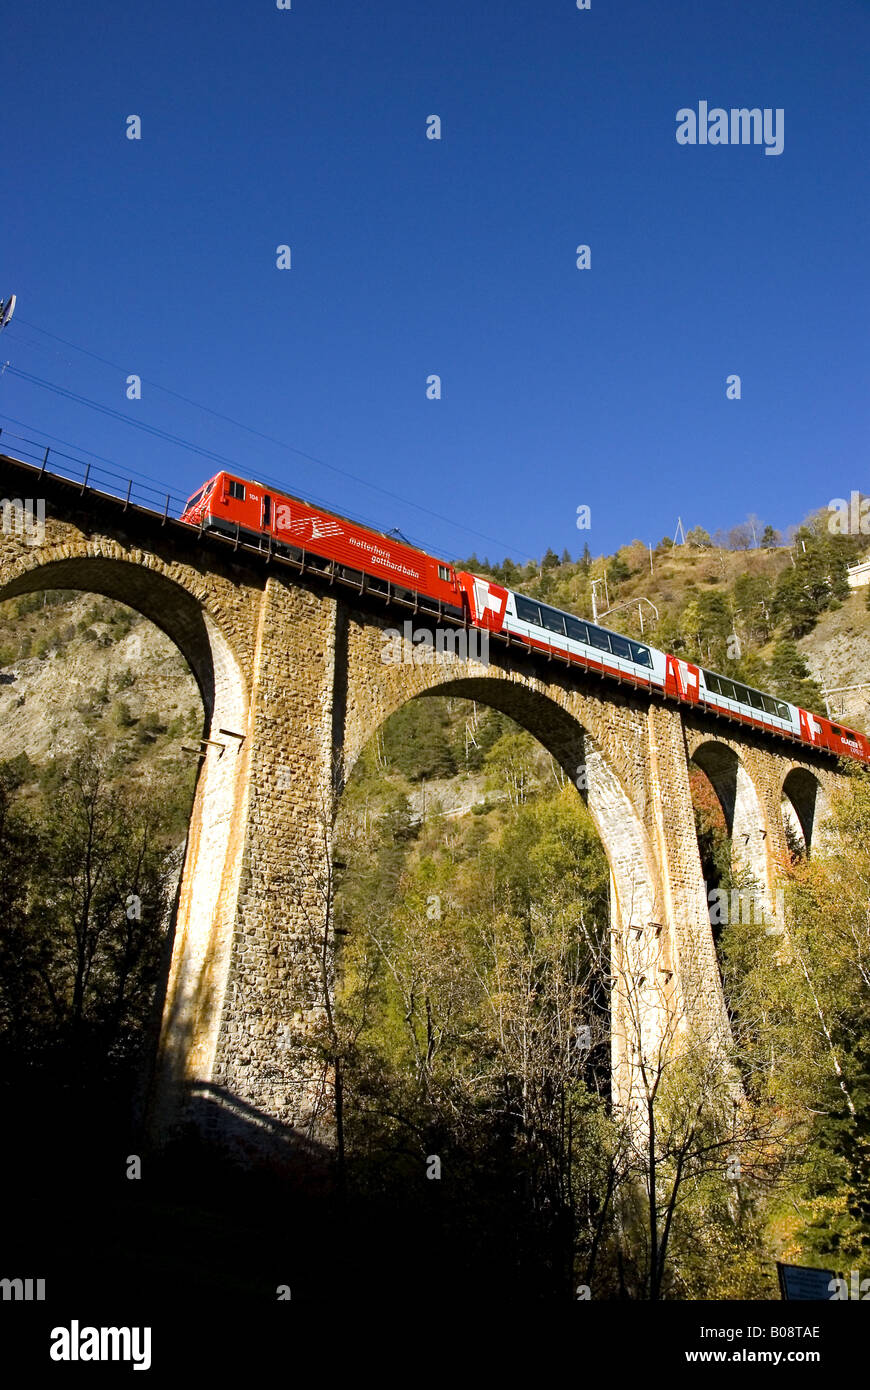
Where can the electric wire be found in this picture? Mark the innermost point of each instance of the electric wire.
(168, 437)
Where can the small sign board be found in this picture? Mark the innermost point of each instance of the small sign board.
(801, 1282)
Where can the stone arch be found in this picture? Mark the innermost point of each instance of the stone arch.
(804, 807)
(147, 587)
(573, 745)
(638, 909)
(741, 806)
(210, 876)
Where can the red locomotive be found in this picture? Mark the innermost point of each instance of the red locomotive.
(250, 512)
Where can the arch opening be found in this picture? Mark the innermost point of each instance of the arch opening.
(732, 836)
(480, 893)
(473, 916)
(197, 885)
(804, 808)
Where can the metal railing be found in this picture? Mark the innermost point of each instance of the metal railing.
(95, 477)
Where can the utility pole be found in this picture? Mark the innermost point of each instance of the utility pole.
(594, 600)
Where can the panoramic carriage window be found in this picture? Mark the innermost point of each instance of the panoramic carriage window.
(620, 646)
(527, 611)
(553, 620)
(599, 638)
(577, 630)
(640, 654)
(756, 699)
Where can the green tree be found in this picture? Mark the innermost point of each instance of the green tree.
(617, 570)
(416, 742)
(699, 537)
(818, 576)
(79, 969)
(510, 761)
(753, 595)
(792, 679)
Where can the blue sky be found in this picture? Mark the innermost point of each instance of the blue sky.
(412, 256)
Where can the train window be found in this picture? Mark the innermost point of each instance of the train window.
(712, 683)
(553, 620)
(237, 490)
(527, 611)
(756, 699)
(620, 646)
(444, 573)
(267, 510)
(741, 693)
(726, 688)
(194, 501)
(599, 638)
(640, 654)
(576, 630)
(782, 709)
(770, 704)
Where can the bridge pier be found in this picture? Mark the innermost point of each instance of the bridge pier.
(241, 1049)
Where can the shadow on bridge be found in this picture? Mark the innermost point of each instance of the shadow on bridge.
(233, 1207)
(241, 1134)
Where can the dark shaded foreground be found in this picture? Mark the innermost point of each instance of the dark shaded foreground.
(205, 1227)
(198, 1249)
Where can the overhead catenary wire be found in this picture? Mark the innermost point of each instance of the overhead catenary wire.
(177, 441)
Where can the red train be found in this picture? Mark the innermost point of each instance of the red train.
(254, 514)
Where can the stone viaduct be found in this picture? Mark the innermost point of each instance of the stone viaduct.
(289, 665)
